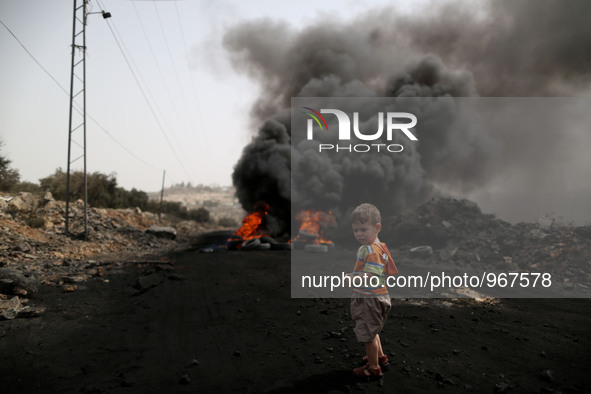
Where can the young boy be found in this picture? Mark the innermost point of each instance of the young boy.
(370, 303)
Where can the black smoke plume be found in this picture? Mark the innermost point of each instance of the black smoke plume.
(456, 49)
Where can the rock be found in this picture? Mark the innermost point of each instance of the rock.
(68, 288)
(20, 291)
(175, 276)
(145, 283)
(25, 201)
(546, 376)
(47, 224)
(22, 247)
(194, 363)
(47, 197)
(12, 308)
(9, 308)
(75, 278)
(31, 311)
(185, 379)
(502, 387)
(237, 353)
(26, 281)
(162, 232)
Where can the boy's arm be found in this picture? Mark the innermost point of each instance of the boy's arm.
(360, 260)
(373, 266)
(390, 269)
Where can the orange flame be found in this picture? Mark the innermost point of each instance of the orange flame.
(253, 224)
(312, 226)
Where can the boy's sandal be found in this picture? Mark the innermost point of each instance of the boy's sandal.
(382, 360)
(367, 372)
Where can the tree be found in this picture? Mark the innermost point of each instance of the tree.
(9, 177)
(101, 188)
(200, 215)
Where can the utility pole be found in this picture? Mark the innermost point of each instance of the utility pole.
(161, 196)
(78, 97)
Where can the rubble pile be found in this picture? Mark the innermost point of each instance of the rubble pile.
(459, 233)
(34, 249)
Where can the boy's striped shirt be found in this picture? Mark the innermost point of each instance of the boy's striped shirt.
(376, 260)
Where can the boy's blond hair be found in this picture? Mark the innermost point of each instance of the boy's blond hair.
(366, 213)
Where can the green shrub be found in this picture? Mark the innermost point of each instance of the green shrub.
(28, 187)
(34, 221)
(9, 177)
(200, 215)
(227, 221)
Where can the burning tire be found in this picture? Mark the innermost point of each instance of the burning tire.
(308, 235)
(234, 242)
(316, 248)
(267, 240)
(421, 251)
(251, 244)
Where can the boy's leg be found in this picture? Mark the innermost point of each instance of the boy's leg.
(372, 349)
(380, 351)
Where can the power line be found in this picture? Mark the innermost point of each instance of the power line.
(182, 94)
(166, 87)
(151, 108)
(196, 96)
(154, 58)
(78, 110)
(33, 57)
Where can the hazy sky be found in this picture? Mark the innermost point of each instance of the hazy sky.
(176, 51)
(194, 119)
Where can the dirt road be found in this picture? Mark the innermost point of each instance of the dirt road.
(225, 322)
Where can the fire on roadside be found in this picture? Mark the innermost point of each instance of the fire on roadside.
(253, 225)
(312, 226)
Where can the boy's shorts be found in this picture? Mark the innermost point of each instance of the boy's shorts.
(369, 315)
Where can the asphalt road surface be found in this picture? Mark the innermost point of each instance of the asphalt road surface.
(225, 322)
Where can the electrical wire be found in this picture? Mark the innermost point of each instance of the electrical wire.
(182, 94)
(164, 81)
(151, 108)
(195, 95)
(77, 109)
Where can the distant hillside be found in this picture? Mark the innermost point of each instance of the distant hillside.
(218, 200)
